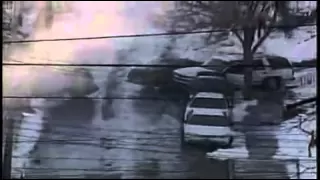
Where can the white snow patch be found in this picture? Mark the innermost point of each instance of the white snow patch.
(225, 154)
(240, 109)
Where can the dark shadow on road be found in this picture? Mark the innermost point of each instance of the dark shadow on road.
(74, 111)
(267, 111)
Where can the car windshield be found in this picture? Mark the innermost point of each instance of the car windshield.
(208, 120)
(209, 103)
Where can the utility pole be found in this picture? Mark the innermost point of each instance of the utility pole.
(8, 147)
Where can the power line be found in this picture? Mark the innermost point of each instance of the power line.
(155, 98)
(148, 65)
(147, 35)
(162, 160)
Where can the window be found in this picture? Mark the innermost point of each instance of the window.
(215, 64)
(209, 103)
(236, 69)
(209, 120)
(279, 62)
(258, 65)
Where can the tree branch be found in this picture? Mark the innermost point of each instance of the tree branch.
(267, 32)
(303, 119)
(236, 33)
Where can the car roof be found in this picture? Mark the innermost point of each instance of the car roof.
(256, 57)
(209, 95)
(207, 112)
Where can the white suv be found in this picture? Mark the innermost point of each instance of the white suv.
(269, 71)
(208, 101)
(208, 127)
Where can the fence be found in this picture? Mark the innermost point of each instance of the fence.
(307, 78)
(271, 168)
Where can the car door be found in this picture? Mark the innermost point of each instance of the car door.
(235, 74)
(281, 67)
(259, 71)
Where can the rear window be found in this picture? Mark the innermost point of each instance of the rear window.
(209, 120)
(279, 62)
(215, 64)
(209, 103)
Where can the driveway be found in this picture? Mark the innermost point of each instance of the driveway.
(267, 113)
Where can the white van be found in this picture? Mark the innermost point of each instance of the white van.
(208, 126)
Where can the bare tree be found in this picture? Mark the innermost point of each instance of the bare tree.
(250, 21)
(312, 133)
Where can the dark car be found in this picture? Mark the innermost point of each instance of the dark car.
(158, 76)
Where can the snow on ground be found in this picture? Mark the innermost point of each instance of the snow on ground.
(292, 144)
(295, 49)
(192, 46)
(306, 50)
(239, 109)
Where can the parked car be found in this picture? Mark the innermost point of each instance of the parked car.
(208, 126)
(269, 71)
(185, 76)
(158, 76)
(208, 101)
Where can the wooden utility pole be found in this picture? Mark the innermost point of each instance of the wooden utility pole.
(8, 147)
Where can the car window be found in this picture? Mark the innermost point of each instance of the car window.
(258, 64)
(236, 69)
(209, 120)
(278, 62)
(209, 103)
(215, 64)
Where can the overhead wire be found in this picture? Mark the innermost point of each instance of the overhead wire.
(147, 35)
(237, 126)
(114, 65)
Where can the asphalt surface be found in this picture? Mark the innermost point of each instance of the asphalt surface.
(141, 139)
(266, 113)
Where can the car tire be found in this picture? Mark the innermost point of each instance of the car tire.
(272, 83)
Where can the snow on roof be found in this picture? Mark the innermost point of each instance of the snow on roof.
(209, 95)
(207, 112)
